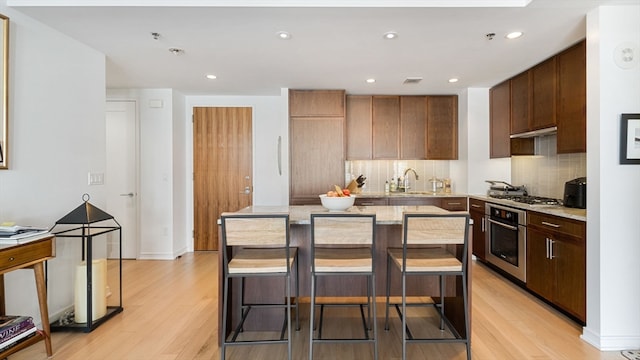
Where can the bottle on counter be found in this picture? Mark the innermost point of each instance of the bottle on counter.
(393, 186)
(386, 187)
(447, 186)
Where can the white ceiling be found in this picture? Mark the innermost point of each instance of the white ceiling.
(331, 47)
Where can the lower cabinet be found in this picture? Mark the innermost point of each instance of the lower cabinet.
(476, 211)
(556, 261)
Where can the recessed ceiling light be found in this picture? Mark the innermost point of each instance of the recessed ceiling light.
(211, 76)
(453, 80)
(371, 81)
(284, 35)
(390, 35)
(514, 35)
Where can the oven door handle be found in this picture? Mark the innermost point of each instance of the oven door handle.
(514, 228)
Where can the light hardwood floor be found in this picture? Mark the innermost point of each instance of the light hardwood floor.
(170, 312)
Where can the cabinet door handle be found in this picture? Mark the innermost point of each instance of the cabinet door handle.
(550, 224)
(546, 243)
(551, 242)
(483, 225)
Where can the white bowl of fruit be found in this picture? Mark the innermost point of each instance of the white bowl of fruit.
(338, 199)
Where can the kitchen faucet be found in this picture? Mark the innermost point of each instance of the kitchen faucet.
(406, 178)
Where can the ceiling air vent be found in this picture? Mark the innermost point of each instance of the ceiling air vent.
(412, 80)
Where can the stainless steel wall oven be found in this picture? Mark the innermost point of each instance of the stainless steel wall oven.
(506, 239)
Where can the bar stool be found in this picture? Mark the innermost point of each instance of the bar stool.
(343, 244)
(426, 244)
(257, 245)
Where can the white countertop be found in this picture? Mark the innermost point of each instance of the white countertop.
(557, 210)
(385, 215)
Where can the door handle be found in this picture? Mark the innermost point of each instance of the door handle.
(247, 190)
(129, 194)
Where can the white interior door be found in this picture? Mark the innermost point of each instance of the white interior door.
(121, 176)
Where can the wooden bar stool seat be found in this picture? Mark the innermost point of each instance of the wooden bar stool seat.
(343, 244)
(429, 247)
(257, 245)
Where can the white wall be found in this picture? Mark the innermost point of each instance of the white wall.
(613, 218)
(160, 132)
(57, 129)
(480, 166)
(182, 241)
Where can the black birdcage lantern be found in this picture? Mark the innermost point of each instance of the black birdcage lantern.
(85, 223)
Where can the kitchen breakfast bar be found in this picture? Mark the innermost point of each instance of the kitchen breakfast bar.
(388, 233)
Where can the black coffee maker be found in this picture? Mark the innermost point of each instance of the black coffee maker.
(575, 193)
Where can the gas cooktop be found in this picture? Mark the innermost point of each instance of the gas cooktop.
(528, 199)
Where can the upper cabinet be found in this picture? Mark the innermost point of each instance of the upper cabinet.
(413, 123)
(442, 127)
(386, 127)
(402, 127)
(572, 99)
(359, 128)
(316, 103)
(499, 115)
(543, 94)
(520, 102)
(550, 94)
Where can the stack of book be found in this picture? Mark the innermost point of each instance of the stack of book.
(14, 234)
(14, 328)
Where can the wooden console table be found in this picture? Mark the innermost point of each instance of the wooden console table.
(29, 255)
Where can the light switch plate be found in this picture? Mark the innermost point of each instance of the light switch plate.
(96, 178)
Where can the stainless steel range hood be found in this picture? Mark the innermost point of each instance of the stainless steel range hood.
(534, 133)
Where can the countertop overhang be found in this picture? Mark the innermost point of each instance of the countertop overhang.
(385, 215)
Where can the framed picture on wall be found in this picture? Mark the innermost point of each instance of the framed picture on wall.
(630, 139)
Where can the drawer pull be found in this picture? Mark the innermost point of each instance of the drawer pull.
(11, 258)
(550, 224)
(366, 204)
(476, 206)
(453, 203)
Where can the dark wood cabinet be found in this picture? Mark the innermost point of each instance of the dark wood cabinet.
(520, 102)
(386, 127)
(413, 123)
(359, 127)
(556, 261)
(310, 103)
(454, 203)
(442, 127)
(572, 99)
(543, 94)
(317, 145)
(476, 211)
(499, 120)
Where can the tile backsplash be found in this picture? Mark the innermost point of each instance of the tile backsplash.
(379, 171)
(545, 173)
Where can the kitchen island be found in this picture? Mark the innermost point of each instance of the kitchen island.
(388, 234)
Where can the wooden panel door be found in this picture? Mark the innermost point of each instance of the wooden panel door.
(572, 100)
(442, 127)
(359, 131)
(413, 127)
(386, 127)
(520, 103)
(543, 79)
(499, 127)
(222, 165)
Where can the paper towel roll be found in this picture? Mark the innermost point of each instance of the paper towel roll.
(98, 290)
